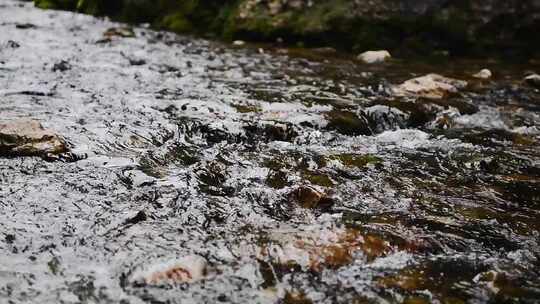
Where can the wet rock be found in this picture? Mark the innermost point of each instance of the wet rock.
(61, 66)
(277, 179)
(24, 26)
(271, 131)
(445, 119)
(12, 44)
(213, 179)
(418, 113)
(483, 74)
(139, 217)
(314, 249)
(370, 57)
(26, 137)
(382, 118)
(356, 160)
(124, 32)
(348, 123)
(431, 86)
(310, 198)
(533, 80)
(186, 269)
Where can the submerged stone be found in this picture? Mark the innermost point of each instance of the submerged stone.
(186, 269)
(27, 137)
(310, 198)
(431, 86)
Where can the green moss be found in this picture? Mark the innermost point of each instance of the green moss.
(319, 179)
(56, 4)
(322, 17)
(177, 23)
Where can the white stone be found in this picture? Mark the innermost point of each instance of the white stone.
(239, 43)
(374, 56)
(483, 74)
(431, 86)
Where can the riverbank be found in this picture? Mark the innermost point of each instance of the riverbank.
(502, 28)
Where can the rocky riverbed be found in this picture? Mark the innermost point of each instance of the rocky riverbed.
(200, 172)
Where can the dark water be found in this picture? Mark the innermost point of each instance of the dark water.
(199, 148)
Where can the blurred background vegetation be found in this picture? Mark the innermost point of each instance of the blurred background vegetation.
(419, 27)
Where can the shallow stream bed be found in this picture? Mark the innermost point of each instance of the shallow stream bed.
(296, 175)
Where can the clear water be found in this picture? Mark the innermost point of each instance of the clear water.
(430, 201)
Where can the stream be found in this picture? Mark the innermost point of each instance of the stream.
(295, 174)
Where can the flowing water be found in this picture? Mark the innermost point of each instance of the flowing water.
(199, 148)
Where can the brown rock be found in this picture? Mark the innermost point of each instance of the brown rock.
(182, 270)
(310, 198)
(26, 137)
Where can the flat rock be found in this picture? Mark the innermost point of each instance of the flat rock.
(26, 137)
(431, 86)
(371, 57)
